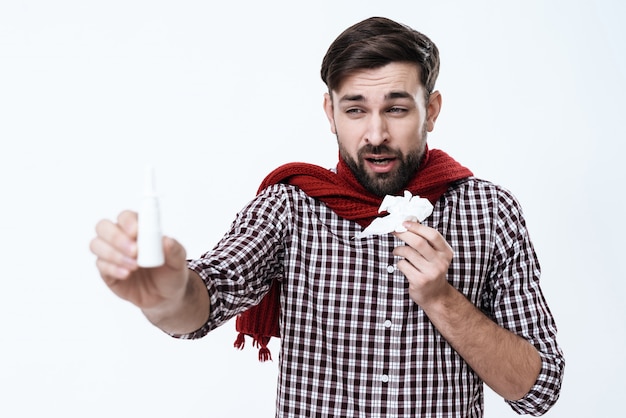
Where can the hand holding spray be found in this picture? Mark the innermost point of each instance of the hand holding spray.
(149, 236)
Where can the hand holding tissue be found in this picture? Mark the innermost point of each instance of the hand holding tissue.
(400, 209)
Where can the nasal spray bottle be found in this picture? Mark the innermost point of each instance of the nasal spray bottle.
(149, 236)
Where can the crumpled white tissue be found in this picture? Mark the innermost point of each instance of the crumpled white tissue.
(400, 208)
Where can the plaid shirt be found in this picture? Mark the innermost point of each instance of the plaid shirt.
(353, 343)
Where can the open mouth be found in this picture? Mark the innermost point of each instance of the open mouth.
(379, 161)
(381, 165)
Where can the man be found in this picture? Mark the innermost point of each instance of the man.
(396, 324)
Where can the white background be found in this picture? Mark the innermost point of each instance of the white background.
(216, 96)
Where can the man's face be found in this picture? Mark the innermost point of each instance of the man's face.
(381, 119)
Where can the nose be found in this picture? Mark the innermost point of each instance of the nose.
(377, 133)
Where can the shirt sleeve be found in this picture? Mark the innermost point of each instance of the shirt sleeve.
(518, 304)
(239, 270)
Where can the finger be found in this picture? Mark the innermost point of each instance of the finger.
(111, 272)
(409, 253)
(174, 252)
(419, 270)
(409, 269)
(431, 236)
(416, 246)
(413, 262)
(116, 237)
(107, 253)
(127, 220)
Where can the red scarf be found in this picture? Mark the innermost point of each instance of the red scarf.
(342, 193)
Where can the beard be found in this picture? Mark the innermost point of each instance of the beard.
(393, 182)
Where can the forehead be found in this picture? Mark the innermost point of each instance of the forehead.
(379, 82)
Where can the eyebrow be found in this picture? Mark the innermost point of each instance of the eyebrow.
(398, 95)
(389, 96)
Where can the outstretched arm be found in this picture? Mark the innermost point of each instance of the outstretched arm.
(172, 297)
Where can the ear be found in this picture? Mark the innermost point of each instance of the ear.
(433, 109)
(328, 109)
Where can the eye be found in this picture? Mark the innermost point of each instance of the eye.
(354, 113)
(396, 109)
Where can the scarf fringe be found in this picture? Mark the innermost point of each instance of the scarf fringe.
(264, 354)
(259, 342)
(240, 342)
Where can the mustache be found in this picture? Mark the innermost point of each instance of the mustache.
(378, 149)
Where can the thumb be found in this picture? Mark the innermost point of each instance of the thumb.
(174, 252)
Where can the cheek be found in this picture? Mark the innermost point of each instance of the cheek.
(348, 146)
(349, 134)
(411, 126)
(407, 133)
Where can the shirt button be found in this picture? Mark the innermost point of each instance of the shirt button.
(391, 269)
(388, 324)
(384, 378)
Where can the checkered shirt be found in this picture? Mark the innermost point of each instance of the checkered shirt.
(353, 343)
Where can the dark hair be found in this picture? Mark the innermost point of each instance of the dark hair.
(376, 42)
